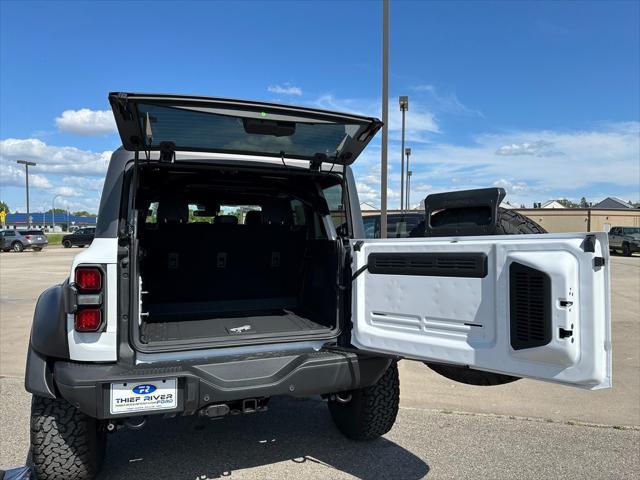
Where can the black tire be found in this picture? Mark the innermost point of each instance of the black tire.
(37, 249)
(626, 250)
(17, 247)
(66, 444)
(509, 223)
(372, 410)
(66, 244)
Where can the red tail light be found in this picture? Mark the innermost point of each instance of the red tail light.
(28, 237)
(88, 320)
(88, 279)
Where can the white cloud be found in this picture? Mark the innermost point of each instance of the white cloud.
(77, 175)
(86, 122)
(448, 103)
(53, 159)
(286, 89)
(420, 122)
(594, 163)
(539, 148)
(539, 165)
(85, 183)
(13, 176)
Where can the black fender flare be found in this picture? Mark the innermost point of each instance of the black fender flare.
(38, 377)
(48, 341)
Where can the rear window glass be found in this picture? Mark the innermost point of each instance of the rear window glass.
(397, 226)
(241, 133)
(334, 197)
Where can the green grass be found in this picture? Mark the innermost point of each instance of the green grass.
(55, 238)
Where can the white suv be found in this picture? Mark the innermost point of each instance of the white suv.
(230, 265)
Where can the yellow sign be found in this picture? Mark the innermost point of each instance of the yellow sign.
(2, 216)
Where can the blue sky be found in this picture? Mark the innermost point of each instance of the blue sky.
(541, 98)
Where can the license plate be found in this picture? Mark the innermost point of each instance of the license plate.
(144, 396)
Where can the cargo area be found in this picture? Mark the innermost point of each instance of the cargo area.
(232, 255)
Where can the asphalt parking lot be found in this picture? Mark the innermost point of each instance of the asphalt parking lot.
(445, 430)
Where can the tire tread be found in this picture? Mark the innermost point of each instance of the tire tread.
(65, 443)
(372, 410)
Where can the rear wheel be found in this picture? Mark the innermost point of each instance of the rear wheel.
(66, 244)
(371, 411)
(17, 247)
(37, 249)
(509, 223)
(65, 443)
(626, 250)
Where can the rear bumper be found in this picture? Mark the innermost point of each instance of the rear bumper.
(87, 386)
(36, 244)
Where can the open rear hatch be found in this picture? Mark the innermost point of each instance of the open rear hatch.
(169, 123)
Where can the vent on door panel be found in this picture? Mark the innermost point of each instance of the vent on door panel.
(473, 265)
(530, 309)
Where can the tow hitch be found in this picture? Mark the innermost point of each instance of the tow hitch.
(248, 405)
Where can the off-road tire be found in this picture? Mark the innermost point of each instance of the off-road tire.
(17, 247)
(372, 410)
(66, 444)
(509, 223)
(66, 244)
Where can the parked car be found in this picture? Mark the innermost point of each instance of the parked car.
(625, 240)
(80, 238)
(294, 300)
(399, 225)
(19, 240)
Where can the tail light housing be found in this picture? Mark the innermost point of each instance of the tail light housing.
(88, 320)
(89, 309)
(88, 279)
(28, 237)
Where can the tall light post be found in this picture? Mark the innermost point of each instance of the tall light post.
(26, 166)
(53, 212)
(385, 118)
(404, 106)
(407, 203)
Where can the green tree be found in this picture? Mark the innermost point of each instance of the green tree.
(566, 203)
(57, 210)
(584, 203)
(4, 207)
(84, 213)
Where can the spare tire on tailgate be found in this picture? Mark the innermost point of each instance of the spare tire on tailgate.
(508, 223)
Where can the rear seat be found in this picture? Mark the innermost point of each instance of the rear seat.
(223, 260)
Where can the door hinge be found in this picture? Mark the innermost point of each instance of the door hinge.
(598, 262)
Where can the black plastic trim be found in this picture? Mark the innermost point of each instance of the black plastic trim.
(469, 265)
(38, 378)
(530, 307)
(483, 202)
(49, 328)
(224, 379)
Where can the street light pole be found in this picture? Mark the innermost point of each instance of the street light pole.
(404, 106)
(385, 118)
(26, 166)
(53, 212)
(407, 203)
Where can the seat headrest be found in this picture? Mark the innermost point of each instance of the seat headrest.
(225, 220)
(173, 210)
(253, 217)
(276, 214)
